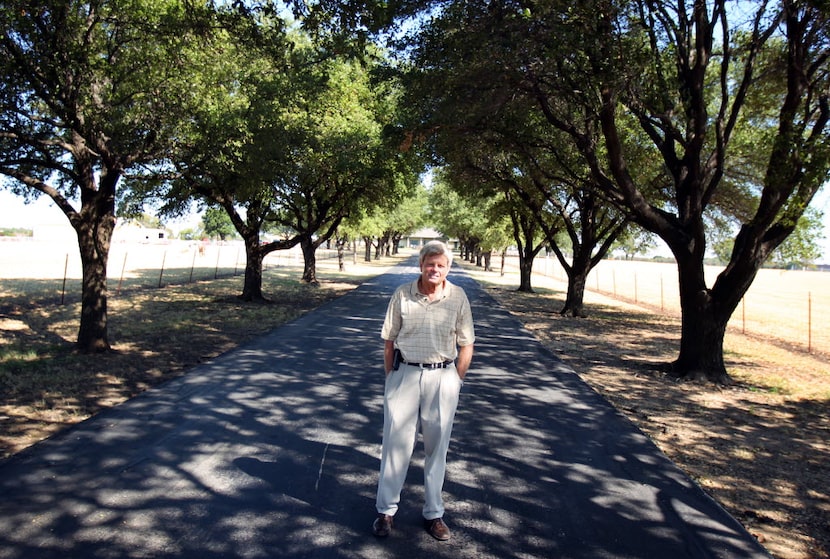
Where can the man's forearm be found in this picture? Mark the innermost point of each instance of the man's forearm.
(388, 355)
(465, 357)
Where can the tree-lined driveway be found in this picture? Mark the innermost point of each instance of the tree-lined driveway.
(272, 451)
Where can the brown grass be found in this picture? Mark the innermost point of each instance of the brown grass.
(760, 447)
(156, 335)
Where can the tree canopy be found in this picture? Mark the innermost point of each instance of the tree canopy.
(87, 89)
(688, 86)
(690, 119)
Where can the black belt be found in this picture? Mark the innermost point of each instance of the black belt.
(442, 365)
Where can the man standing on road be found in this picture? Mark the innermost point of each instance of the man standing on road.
(429, 337)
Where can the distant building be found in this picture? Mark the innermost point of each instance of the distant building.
(131, 231)
(422, 236)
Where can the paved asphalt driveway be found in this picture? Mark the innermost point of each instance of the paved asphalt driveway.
(272, 451)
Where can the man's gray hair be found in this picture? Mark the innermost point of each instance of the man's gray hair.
(435, 248)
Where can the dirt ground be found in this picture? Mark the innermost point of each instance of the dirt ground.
(760, 447)
(156, 335)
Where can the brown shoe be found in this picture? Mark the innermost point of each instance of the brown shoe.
(382, 525)
(437, 529)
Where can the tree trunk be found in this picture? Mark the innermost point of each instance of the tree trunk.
(524, 233)
(701, 347)
(472, 248)
(703, 325)
(577, 278)
(381, 246)
(576, 293)
(367, 249)
(341, 254)
(488, 259)
(94, 237)
(252, 286)
(469, 248)
(525, 272)
(309, 260)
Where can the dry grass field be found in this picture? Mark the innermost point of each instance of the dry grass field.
(760, 447)
(156, 334)
(790, 306)
(131, 265)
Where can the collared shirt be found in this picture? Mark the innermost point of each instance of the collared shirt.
(429, 331)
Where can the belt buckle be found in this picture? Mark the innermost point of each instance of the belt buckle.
(440, 365)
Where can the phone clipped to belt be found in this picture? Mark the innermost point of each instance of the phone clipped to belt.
(397, 358)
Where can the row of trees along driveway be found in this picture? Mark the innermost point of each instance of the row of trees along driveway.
(578, 117)
(107, 105)
(681, 115)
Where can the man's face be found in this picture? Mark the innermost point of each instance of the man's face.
(434, 269)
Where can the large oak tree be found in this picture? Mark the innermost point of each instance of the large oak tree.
(288, 136)
(683, 98)
(87, 89)
(684, 84)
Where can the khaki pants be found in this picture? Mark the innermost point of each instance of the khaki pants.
(416, 397)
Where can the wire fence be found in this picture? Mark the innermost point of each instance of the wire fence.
(48, 272)
(791, 306)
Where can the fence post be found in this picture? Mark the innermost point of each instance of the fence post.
(809, 321)
(161, 272)
(65, 268)
(121, 279)
(192, 265)
(216, 270)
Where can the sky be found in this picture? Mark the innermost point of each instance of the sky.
(15, 213)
